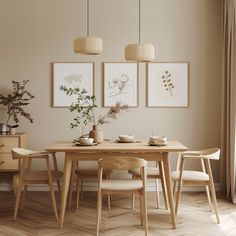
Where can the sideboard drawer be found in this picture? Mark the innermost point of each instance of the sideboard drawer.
(9, 163)
(6, 144)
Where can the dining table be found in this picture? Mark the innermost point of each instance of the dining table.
(141, 149)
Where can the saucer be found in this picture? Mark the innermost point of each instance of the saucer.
(159, 144)
(125, 141)
(85, 144)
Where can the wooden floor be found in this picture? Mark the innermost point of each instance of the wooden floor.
(194, 218)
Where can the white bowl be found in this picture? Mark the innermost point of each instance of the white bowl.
(86, 141)
(126, 137)
(158, 140)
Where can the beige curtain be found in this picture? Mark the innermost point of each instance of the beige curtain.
(228, 134)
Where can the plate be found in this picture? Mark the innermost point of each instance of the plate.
(153, 144)
(125, 141)
(80, 144)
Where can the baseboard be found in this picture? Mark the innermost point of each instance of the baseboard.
(92, 186)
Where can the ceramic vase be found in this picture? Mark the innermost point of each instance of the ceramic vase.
(12, 131)
(97, 134)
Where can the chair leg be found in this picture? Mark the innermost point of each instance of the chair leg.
(212, 188)
(157, 193)
(99, 210)
(77, 192)
(215, 202)
(141, 208)
(179, 186)
(72, 180)
(81, 188)
(163, 183)
(133, 201)
(18, 195)
(144, 200)
(50, 184)
(109, 201)
(108, 195)
(174, 188)
(133, 197)
(208, 197)
(23, 197)
(53, 201)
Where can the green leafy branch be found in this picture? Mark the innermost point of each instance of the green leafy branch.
(84, 106)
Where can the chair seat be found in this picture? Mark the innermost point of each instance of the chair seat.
(152, 172)
(91, 172)
(121, 184)
(41, 176)
(190, 175)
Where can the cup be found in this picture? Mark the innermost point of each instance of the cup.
(86, 141)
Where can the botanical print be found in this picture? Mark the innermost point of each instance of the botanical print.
(73, 78)
(120, 84)
(167, 84)
(71, 75)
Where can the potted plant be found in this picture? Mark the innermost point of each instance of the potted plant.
(15, 103)
(84, 106)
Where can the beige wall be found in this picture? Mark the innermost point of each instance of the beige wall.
(35, 33)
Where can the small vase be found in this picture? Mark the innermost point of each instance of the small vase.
(97, 134)
(12, 131)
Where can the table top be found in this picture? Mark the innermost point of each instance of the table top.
(109, 146)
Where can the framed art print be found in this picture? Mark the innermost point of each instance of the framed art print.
(72, 75)
(168, 84)
(120, 83)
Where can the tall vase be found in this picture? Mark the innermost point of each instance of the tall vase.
(97, 134)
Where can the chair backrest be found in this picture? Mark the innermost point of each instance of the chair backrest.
(18, 153)
(212, 153)
(122, 163)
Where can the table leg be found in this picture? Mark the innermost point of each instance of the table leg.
(163, 183)
(65, 187)
(166, 164)
(56, 169)
(72, 181)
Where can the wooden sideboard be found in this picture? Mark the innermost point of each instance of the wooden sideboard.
(7, 142)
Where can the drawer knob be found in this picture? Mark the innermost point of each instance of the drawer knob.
(2, 145)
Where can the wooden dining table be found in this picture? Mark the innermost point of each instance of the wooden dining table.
(109, 149)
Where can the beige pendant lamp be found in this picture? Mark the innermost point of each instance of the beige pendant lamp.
(89, 45)
(139, 52)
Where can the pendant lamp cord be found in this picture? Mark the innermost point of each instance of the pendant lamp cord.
(139, 22)
(87, 17)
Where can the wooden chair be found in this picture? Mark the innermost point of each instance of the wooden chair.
(123, 186)
(85, 173)
(27, 177)
(196, 178)
(155, 173)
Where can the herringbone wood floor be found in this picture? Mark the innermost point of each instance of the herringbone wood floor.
(194, 218)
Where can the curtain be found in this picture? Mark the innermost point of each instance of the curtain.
(228, 131)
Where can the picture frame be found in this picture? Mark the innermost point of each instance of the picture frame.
(71, 74)
(167, 84)
(120, 83)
